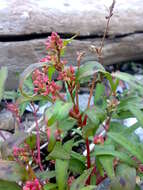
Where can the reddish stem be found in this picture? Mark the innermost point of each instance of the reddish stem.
(88, 159)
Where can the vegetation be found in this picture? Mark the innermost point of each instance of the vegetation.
(116, 151)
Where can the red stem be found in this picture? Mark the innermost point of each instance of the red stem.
(88, 159)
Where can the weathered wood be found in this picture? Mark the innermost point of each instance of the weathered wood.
(18, 55)
(18, 17)
(24, 24)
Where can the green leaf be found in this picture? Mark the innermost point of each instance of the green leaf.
(111, 81)
(61, 109)
(87, 70)
(130, 79)
(89, 129)
(10, 95)
(89, 187)
(31, 141)
(46, 175)
(7, 185)
(81, 180)
(124, 142)
(125, 178)
(120, 155)
(68, 145)
(3, 77)
(137, 113)
(27, 96)
(22, 107)
(51, 137)
(66, 124)
(107, 161)
(66, 42)
(51, 71)
(59, 152)
(76, 166)
(12, 171)
(99, 98)
(78, 156)
(50, 186)
(61, 168)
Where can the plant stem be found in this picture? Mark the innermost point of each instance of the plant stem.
(88, 160)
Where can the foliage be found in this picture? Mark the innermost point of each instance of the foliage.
(117, 152)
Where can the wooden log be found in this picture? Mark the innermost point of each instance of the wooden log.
(24, 26)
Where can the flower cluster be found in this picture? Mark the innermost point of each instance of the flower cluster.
(32, 185)
(42, 84)
(13, 107)
(67, 75)
(18, 151)
(54, 42)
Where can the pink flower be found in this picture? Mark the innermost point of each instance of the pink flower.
(67, 75)
(98, 139)
(46, 59)
(13, 107)
(54, 42)
(42, 84)
(32, 185)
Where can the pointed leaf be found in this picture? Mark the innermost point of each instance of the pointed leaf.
(125, 178)
(81, 180)
(87, 70)
(124, 142)
(61, 168)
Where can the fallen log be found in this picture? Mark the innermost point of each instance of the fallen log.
(24, 26)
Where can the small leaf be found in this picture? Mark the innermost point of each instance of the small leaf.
(76, 166)
(125, 178)
(46, 175)
(51, 131)
(99, 98)
(137, 113)
(50, 186)
(51, 71)
(59, 153)
(61, 109)
(87, 70)
(7, 185)
(130, 79)
(61, 169)
(31, 141)
(81, 180)
(66, 124)
(124, 142)
(89, 187)
(120, 155)
(107, 161)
